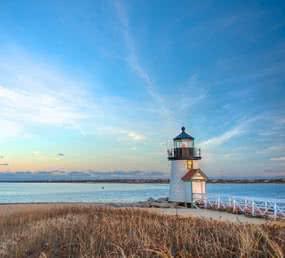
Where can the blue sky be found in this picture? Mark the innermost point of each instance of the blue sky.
(108, 84)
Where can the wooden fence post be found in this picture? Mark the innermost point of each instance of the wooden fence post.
(252, 208)
(275, 210)
(219, 202)
(266, 206)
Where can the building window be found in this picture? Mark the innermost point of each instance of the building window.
(189, 164)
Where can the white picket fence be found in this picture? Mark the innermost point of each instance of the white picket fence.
(257, 207)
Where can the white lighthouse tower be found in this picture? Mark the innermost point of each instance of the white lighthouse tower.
(187, 181)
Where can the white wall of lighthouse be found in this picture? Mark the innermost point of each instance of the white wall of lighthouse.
(186, 178)
(179, 191)
(176, 188)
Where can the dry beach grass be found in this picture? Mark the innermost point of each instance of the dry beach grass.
(96, 231)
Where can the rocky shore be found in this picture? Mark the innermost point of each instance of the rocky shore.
(150, 203)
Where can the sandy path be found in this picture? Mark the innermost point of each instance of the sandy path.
(210, 214)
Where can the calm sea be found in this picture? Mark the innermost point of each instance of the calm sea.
(118, 192)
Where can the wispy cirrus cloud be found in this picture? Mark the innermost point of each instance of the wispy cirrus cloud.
(10, 129)
(135, 64)
(136, 136)
(281, 120)
(189, 94)
(36, 153)
(242, 127)
(271, 149)
(60, 156)
(38, 107)
(34, 94)
(278, 158)
(224, 137)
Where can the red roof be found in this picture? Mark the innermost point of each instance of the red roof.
(188, 176)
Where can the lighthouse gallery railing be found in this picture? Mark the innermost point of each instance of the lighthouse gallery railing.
(259, 207)
(184, 153)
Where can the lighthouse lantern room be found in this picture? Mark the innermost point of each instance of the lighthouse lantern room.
(187, 181)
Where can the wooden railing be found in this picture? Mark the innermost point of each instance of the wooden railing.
(184, 153)
(257, 207)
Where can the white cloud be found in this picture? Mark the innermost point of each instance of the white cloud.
(135, 64)
(281, 120)
(136, 136)
(271, 149)
(36, 153)
(278, 159)
(189, 94)
(10, 129)
(223, 138)
(234, 132)
(38, 107)
(35, 94)
(187, 101)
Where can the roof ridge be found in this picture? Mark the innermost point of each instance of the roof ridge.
(183, 135)
(191, 172)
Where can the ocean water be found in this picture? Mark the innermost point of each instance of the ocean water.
(119, 192)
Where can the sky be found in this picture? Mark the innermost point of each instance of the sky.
(106, 85)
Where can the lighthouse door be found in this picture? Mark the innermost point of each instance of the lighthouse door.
(197, 187)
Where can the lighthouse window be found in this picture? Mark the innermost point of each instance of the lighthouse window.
(189, 164)
(178, 144)
(184, 144)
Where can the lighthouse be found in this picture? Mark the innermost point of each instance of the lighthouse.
(187, 181)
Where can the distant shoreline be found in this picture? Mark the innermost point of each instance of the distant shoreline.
(152, 181)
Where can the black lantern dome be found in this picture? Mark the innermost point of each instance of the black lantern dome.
(184, 148)
(183, 135)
